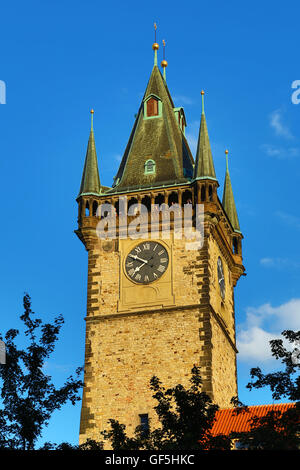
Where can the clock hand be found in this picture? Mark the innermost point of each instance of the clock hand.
(138, 268)
(140, 259)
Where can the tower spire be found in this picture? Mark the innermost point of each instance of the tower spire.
(155, 45)
(228, 200)
(164, 63)
(90, 181)
(204, 166)
(92, 119)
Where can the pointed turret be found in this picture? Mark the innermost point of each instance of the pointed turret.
(228, 200)
(204, 166)
(157, 153)
(90, 181)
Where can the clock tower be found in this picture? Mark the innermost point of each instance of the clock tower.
(157, 304)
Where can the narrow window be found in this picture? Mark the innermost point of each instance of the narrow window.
(210, 192)
(202, 193)
(144, 423)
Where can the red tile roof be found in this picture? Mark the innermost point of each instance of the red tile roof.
(228, 421)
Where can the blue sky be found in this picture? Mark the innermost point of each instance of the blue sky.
(59, 60)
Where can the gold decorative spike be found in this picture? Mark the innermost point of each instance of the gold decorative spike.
(202, 95)
(92, 118)
(226, 154)
(164, 63)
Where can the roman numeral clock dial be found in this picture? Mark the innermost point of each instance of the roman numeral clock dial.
(146, 262)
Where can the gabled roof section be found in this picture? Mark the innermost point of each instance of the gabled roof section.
(228, 201)
(204, 166)
(228, 420)
(158, 138)
(90, 181)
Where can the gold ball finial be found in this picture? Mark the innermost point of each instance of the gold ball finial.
(92, 111)
(164, 63)
(202, 92)
(226, 152)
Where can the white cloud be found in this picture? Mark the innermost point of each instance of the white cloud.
(290, 219)
(267, 261)
(271, 150)
(279, 263)
(279, 127)
(253, 345)
(192, 134)
(182, 99)
(262, 324)
(193, 142)
(280, 152)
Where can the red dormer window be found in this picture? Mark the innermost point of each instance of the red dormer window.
(152, 107)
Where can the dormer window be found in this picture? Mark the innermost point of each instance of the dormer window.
(152, 107)
(150, 167)
(180, 116)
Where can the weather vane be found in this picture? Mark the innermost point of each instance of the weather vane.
(155, 46)
(164, 63)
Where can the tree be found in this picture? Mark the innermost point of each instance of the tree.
(28, 395)
(185, 415)
(277, 430)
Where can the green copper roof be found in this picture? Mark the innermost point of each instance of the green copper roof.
(90, 182)
(204, 166)
(157, 138)
(228, 201)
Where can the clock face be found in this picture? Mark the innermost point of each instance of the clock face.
(221, 278)
(146, 262)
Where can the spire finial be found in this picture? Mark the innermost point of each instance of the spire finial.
(164, 63)
(92, 119)
(226, 155)
(202, 94)
(155, 46)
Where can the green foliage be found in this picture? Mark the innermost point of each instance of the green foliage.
(283, 384)
(90, 444)
(277, 430)
(185, 416)
(28, 395)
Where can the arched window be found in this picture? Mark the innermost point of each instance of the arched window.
(173, 199)
(187, 197)
(149, 167)
(87, 209)
(95, 207)
(146, 201)
(159, 199)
